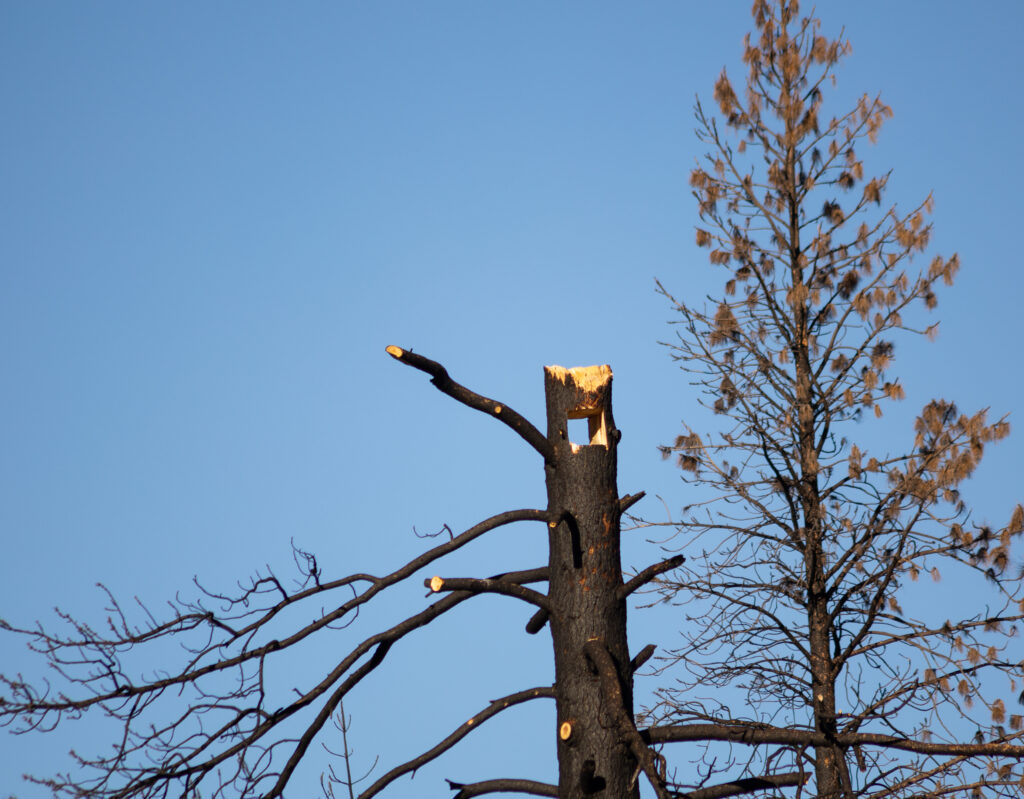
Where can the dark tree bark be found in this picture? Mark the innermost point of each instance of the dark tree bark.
(585, 584)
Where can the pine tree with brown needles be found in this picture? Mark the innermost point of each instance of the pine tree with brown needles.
(817, 538)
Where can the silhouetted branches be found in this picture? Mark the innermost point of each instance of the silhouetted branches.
(213, 721)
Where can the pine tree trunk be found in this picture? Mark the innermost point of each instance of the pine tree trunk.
(585, 584)
(831, 773)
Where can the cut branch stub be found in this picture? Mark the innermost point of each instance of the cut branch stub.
(585, 579)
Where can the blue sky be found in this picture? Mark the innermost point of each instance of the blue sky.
(217, 215)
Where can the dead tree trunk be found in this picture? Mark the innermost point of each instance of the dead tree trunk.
(585, 586)
(600, 750)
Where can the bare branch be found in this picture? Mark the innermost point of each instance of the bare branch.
(537, 621)
(467, 790)
(746, 785)
(648, 574)
(492, 585)
(642, 657)
(761, 734)
(530, 434)
(629, 500)
(463, 730)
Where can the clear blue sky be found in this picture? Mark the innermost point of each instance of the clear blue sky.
(216, 215)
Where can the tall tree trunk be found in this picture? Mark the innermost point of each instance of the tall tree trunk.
(831, 774)
(585, 585)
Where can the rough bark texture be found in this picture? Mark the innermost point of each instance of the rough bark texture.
(585, 575)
